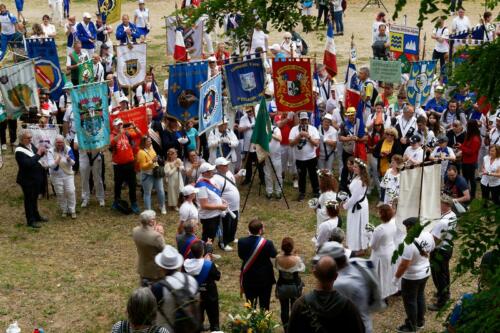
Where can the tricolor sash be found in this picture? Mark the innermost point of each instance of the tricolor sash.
(186, 249)
(206, 183)
(203, 276)
(261, 242)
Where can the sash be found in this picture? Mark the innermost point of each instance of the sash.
(261, 242)
(203, 276)
(154, 136)
(186, 249)
(327, 155)
(206, 183)
(27, 152)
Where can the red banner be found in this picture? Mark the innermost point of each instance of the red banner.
(293, 85)
(136, 116)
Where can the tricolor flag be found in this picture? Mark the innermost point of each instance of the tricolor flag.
(330, 56)
(352, 87)
(180, 53)
(157, 114)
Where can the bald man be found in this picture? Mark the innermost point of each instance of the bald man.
(126, 32)
(324, 305)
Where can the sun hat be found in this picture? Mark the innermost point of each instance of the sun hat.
(328, 116)
(169, 258)
(206, 167)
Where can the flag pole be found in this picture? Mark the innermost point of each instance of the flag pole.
(249, 187)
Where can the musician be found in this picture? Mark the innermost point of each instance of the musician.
(222, 142)
(126, 32)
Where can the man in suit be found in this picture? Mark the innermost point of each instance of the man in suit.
(257, 275)
(148, 239)
(30, 176)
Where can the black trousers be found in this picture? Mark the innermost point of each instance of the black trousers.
(125, 173)
(469, 173)
(210, 227)
(229, 226)
(413, 293)
(305, 167)
(344, 174)
(76, 153)
(286, 307)
(30, 196)
(491, 193)
(260, 294)
(12, 125)
(440, 271)
(250, 159)
(322, 11)
(210, 305)
(441, 57)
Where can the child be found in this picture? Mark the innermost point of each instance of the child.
(414, 154)
(173, 173)
(444, 153)
(390, 182)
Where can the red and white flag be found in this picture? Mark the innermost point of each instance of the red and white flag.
(180, 53)
(330, 56)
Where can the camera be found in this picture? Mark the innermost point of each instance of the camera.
(302, 142)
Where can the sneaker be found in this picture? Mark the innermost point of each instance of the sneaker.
(295, 183)
(85, 203)
(269, 196)
(405, 329)
(135, 208)
(277, 195)
(73, 216)
(64, 215)
(163, 210)
(227, 248)
(176, 209)
(235, 241)
(420, 326)
(114, 205)
(301, 197)
(102, 203)
(4, 147)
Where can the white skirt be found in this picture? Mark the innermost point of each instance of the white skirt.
(385, 272)
(355, 229)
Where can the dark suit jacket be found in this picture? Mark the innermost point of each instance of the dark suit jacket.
(396, 149)
(30, 172)
(261, 273)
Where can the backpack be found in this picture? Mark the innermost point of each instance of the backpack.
(125, 328)
(366, 268)
(187, 307)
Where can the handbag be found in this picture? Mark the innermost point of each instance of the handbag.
(158, 171)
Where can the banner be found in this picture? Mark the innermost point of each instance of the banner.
(184, 82)
(293, 85)
(210, 107)
(193, 36)
(385, 70)
(47, 68)
(131, 64)
(110, 10)
(404, 44)
(136, 116)
(42, 135)
(91, 117)
(419, 84)
(245, 82)
(86, 72)
(19, 88)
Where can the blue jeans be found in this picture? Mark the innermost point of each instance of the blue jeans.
(148, 182)
(4, 42)
(339, 24)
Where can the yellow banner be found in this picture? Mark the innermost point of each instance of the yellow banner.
(111, 9)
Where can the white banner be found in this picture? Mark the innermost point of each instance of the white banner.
(131, 64)
(193, 37)
(18, 88)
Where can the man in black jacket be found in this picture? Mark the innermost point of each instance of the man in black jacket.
(30, 176)
(257, 275)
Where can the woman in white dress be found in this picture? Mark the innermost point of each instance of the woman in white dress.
(382, 245)
(328, 186)
(357, 208)
(325, 229)
(173, 173)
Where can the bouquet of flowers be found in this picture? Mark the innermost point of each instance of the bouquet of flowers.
(251, 320)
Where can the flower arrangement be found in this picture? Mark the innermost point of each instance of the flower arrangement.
(250, 320)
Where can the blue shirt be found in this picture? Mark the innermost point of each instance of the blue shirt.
(438, 106)
(84, 36)
(121, 35)
(192, 134)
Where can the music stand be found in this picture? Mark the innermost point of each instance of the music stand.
(374, 2)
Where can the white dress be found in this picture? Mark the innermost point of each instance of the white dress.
(382, 244)
(391, 184)
(357, 216)
(321, 214)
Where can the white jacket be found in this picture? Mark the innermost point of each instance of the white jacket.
(215, 140)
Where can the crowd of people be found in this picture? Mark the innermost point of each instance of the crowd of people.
(199, 177)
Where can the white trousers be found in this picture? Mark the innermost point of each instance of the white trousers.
(65, 192)
(57, 10)
(96, 169)
(288, 159)
(271, 180)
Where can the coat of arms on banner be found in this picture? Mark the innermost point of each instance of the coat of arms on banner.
(248, 81)
(48, 75)
(20, 94)
(210, 103)
(91, 117)
(419, 84)
(210, 107)
(131, 67)
(131, 64)
(293, 85)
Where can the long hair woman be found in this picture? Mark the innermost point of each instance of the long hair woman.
(470, 152)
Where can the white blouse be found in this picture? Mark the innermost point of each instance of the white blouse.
(491, 167)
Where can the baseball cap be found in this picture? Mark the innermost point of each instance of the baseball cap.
(188, 190)
(117, 122)
(414, 139)
(410, 222)
(303, 115)
(206, 167)
(439, 89)
(221, 161)
(87, 15)
(328, 116)
(275, 47)
(442, 139)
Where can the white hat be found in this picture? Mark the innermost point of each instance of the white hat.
(328, 116)
(123, 98)
(212, 59)
(221, 161)
(117, 122)
(275, 47)
(87, 15)
(188, 190)
(204, 167)
(332, 249)
(141, 1)
(303, 115)
(169, 258)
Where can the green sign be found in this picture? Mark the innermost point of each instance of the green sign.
(385, 70)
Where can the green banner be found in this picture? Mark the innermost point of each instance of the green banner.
(385, 70)
(86, 72)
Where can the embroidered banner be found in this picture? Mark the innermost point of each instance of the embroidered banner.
(47, 68)
(405, 44)
(419, 84)
(131, 64)
(19, 88)
(385, 70)
(110, 10)
(293, 85)
(184, 82)
(85, 72)
(91, 117)
(210, 107)
(245, 82)
(136, 116)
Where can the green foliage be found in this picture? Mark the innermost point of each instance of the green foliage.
(413, 233)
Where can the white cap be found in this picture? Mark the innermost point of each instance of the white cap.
(328, 116)
(212, 59)
(188, 190)
(117, 121)
(123, 99)
(141, 1)
(275, 47)
(206, 167)
(221, 161)
(303, 115)
(87, 15)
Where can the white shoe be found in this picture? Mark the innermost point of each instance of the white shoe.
(4, 147)
(227, 248)
(235, 241)
(73, 216)
(102, 203)
(163, 211)
(64, 215)
(84, 204)
(295, 183)
(216, 256)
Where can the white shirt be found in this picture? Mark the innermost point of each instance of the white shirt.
(444, 46)
(308, 151)
(442, 229)
(329, 135)
(419, 265)
(188, 211)
(460, 24)
(49, 30)
(142, 17)
(382, 241)
(490, 166)
(8, 28)
(259, 39)
(495, 136)
(325, 231)
(415, 156)
(82, 57)
(213, 198)
(98, 72)
(68, 117)
(247, 135)
(231, 193)
(375, 26)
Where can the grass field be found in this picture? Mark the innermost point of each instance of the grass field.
(75, 275)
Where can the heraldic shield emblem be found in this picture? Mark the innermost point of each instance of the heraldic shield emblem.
(248, 81)
(91, 116)
(131, 67)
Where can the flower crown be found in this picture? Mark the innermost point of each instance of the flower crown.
(332, 204)
(360, 162)
(324, 173)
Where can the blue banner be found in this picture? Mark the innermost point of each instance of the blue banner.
(210, 109)
(47, 70)
(184, 82)
(91, 115)
(245, 82)
(419, 84)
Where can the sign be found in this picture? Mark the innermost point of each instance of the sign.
(131, 64)
(245, 82)
(419, 84)
(385, 70)
(210, 107)
(185, 80)
(19, 88)
(47, 68)
(293, 85)
(137, 116)
(91, 117)
(404, 44)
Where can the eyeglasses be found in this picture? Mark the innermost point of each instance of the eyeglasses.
(287, 37)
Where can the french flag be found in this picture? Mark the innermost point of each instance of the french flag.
(352, 87)
(180, 53)
(330, 56)
(157, 114)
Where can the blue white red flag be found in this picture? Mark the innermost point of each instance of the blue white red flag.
(330, 55)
